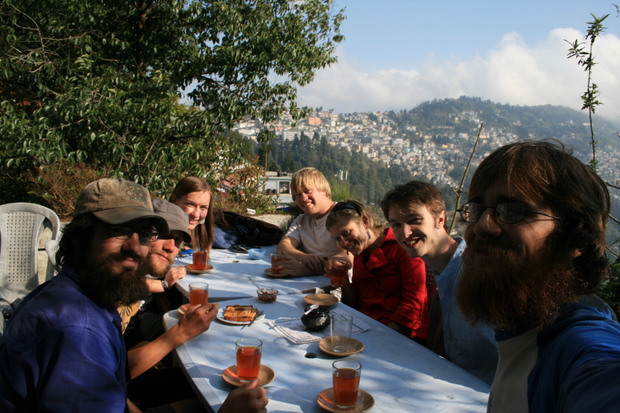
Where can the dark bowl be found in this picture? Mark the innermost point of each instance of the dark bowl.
(316, 320)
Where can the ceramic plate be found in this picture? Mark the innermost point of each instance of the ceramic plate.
(220, 316)
(354, 345)
(190, 269)
(325, 399)
(183, 309)
(265, 375)
(321, 299)
(270, 273)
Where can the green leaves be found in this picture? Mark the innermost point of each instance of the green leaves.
(99, 82)
(585, 58)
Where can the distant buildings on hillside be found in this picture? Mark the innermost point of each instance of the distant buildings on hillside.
(439, 154)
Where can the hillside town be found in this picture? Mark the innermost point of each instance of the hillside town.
(440, 153)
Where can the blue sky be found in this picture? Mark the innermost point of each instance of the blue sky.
(399, 53)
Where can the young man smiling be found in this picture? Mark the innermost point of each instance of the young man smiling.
(163, 251)
(308, 243)
(147, 325)
(417, 214)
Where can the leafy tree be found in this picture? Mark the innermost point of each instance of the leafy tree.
(610, 289)
(586, 59)
(100, 81)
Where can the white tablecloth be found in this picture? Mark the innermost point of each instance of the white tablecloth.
(401, 375)
(229, 277)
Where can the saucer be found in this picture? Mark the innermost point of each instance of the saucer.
(190, 269)
(321, 299)
(270, 273)
(183, 309)
(354, 346)
(265, 375)
(325, 399)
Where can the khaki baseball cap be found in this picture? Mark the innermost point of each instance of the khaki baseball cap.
(117, 201)
(176, 218)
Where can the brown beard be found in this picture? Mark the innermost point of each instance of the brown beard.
(153, 271)
(109, 289)
(513, 291)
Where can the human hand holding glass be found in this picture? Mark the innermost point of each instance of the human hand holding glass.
(198, 294)
(338, 270)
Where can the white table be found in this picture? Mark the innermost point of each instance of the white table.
(229, 278)
(401, 375)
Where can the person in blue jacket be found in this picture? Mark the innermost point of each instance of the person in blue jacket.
(535, 232)
(63, 350)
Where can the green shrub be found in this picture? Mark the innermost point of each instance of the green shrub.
(59, 185)
(610, 289)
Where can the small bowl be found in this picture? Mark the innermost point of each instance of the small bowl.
(317, 319)
(267, 295)
(256, 253)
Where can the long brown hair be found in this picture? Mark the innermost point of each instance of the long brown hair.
(545, 171)
(202, 235)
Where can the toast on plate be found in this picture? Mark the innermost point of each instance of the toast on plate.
(240, 312)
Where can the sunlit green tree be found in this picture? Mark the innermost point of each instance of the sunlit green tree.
(144, 89)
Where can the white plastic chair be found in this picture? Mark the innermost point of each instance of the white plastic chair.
(21, 226)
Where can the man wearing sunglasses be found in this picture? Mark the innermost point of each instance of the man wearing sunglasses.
(146, 325)
(535, 233)
(63, 349)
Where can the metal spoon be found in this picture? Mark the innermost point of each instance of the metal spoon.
(261, 290)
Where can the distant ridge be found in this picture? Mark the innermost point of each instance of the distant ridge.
(526, 122)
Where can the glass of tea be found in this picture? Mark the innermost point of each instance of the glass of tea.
(339, 271)
(249, 351)
(199, 259)
(275, 258)
(198, 293)
(346, 375)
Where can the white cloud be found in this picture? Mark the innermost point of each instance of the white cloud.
(512, 73)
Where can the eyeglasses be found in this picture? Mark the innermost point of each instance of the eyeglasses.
(507, 212)
(123, 233)
(178, 241)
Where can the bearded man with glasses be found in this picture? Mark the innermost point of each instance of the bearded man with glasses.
(535, 232)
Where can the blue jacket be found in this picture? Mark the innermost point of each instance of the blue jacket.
(571, 366)
(62, 352)
(578, 368)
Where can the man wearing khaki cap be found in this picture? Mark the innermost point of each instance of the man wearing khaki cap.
(147, 324)
(63, 349)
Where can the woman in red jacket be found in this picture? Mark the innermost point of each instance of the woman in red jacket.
(387, 284)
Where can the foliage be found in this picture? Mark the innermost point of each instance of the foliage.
(610, 288)
(610, 291)
(59, 185)
(244, 189)
(586, 59)
(341, 190)
(99, 82)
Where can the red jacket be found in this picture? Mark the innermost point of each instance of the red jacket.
(391, 286)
